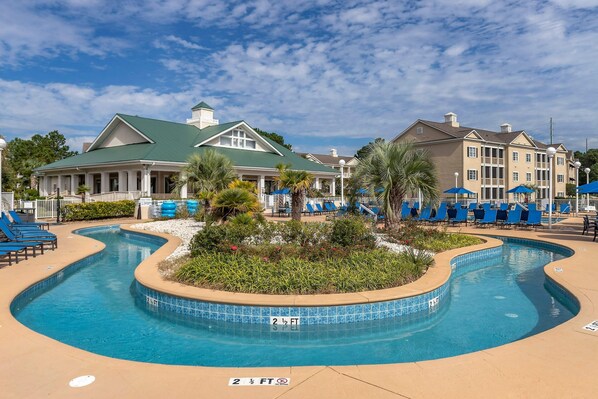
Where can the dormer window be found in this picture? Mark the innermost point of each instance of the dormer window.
(237, 138)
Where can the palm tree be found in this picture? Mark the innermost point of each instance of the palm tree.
(234, 201)
(298, 181)
(206, 174)
(397, 168)
(81, 190)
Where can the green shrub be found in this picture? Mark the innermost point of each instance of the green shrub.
(350, 230)
(98, 210)
(304, 234)
(434, 239)
(353, 272)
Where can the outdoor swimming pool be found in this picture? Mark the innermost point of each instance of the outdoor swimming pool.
(94, 305)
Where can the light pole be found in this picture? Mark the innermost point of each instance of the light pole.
(342, 165)
(550, 151)
(456, 185)
(2, 147)
(587, 170)
(577, 165)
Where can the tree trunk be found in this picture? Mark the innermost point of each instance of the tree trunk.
(296, 205)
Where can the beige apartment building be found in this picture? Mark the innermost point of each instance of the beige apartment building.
(490, 163)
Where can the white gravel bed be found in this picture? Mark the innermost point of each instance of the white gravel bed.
(184, 229)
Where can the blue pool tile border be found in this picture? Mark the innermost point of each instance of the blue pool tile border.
(339, 314)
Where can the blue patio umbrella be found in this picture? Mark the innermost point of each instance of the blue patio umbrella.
(364, 191)
(458, 190)
(282, 191)
(590, 188)
(520, 190)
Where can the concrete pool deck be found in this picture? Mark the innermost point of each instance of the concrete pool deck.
(557, 363)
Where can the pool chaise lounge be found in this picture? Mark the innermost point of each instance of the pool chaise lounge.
(39, 236)
(18, 222)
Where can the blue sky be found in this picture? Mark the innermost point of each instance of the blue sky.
(323, 73)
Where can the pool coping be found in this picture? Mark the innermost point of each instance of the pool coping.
(147, 274)
(555, 363)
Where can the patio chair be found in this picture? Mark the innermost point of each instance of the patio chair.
(504, 207)
(405, 211)
(378, 213)
(489, 218)
(440, 214)
(472, 206)
(425, 215)
(309, 210)
(501, 216)
(478, 214)
(8, 254)
(564, 208)
(40, 236)
(319, 208)
(486, 206)
(587, 225)
(534, 219)
(513, 218)
(553, 208)
(460, 217)
(532, 207)
(17, 220)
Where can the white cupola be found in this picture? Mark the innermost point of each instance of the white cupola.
(202, 115)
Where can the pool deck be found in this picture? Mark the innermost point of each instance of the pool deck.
(557, 363)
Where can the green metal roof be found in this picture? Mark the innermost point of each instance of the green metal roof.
(202, 105)
(175, 142)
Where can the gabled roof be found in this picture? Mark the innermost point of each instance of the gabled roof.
(202, 105)
(326, 158)
(174, 142)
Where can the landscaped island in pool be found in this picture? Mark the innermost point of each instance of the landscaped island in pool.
(494, 297)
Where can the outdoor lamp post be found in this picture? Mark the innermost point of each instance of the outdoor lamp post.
(587, 170)
(550, 151)
(456, 185)
(2, 147)
(342, 165)
(577, 165)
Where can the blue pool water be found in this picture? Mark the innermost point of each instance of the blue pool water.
(94, 306)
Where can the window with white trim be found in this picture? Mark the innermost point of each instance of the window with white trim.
(528, 158)
(515, 156)
(472, 174)
(237, 138)
(560, 194)
(528, 176)
(515, 176)
(560, 178)
(560, 160)
(472, 152)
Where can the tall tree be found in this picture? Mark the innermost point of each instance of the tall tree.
(298, 181)
(23, 156)
(277, 138)
(397, 168)
(588, 160)
(206, 174)
(363, 152)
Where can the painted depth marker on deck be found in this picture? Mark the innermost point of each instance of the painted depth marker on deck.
(259, 382)
(593, 326)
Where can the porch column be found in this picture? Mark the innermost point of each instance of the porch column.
(105, 185)
(317, 183)
(89, 181)
(261, 188)
(184, 193)
(333, 187)
(41, 185)
(240, 177)
(74, 185)
(59, 184)
(146, 181)
(122, 181)
(132, 180)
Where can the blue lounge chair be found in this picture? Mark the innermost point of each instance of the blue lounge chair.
(534, 218)
(461, 217)
(553, 208)
(378, 213)
(425, 215)
(405, 211)
(513, 218)
(486, 206)
(565, 208)
(489, 218)
(478, 214)
(504, 207)
(319, 208)
(39, 236)
(333, 207)
(310, 209)
(532, 207)
(472, 206)
(440, 214)
(17, 221)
